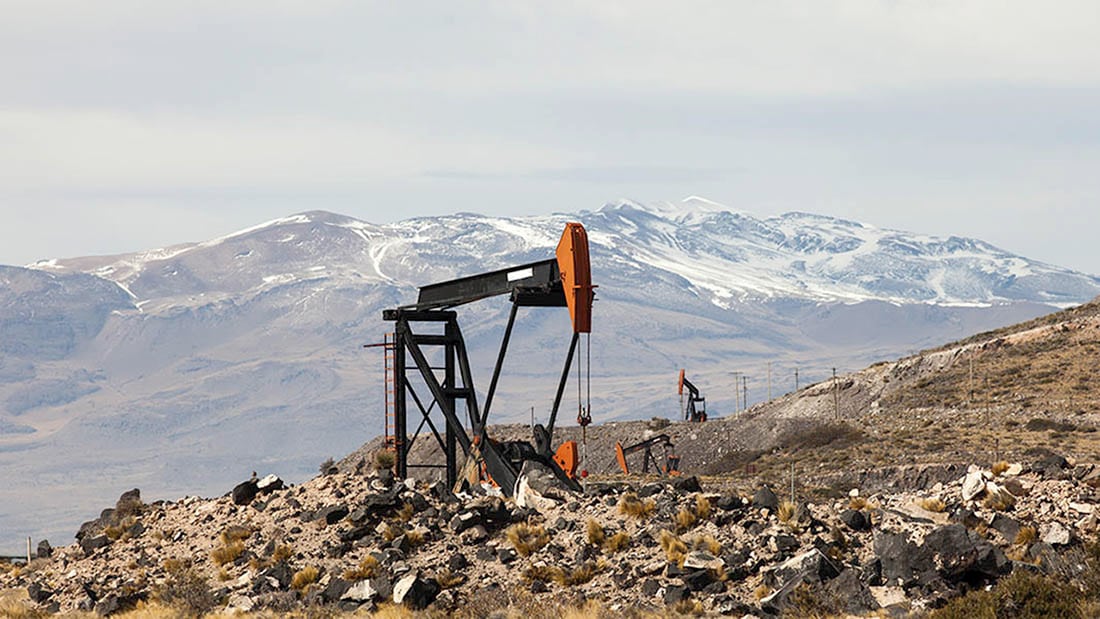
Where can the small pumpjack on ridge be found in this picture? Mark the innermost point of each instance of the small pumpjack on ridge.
(669, 466)
(694, 407)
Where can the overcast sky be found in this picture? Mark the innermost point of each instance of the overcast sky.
(131, 125)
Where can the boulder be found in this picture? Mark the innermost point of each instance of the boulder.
(811, 566)
(538, 488)
(331, 514)
(44, 549)
(360, 592)
(697, 580)
(973, 485)
(764, 497)
(269, 484)
(92, 544)
(686, 485)
(1055, 534)
(674, 594)
(855, 520)
(856, 595)
(1007, 526)
(960, 554)
(702, 560)
(898, 558)
(244, 492)
(729, 502)
(37, 593)
(415, 592)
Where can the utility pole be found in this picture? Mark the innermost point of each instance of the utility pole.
(769, 381)
(970, 396)
(796, 379)
(532, 418)
(745, 392)
(836, 396)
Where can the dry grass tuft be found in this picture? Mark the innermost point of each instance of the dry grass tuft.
(235, 533)
(389, 610)
(406, 512)
(366, 569)
(384, 459)
(447, 579)
(761, 592)
(674, 547)
(702, 507)
(416, 537)
(999, 467)
(786, 512)
(617, 542)
(999, 500)
(18, 609)
(544, 573)
(227, 554)
(304, 578)
(858, 502)
(933, 504)
(707, 543)
(594, 531)
(119, 531)
(684, 520)
(392, 532)
(630, 505)
(283, 553)
(526, 538)
(1026, 536)
(688, 607)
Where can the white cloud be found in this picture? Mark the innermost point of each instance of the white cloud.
(244, 111)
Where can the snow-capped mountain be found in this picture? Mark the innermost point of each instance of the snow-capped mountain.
(185, 368)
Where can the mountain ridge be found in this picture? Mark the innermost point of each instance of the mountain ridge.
(177, 369)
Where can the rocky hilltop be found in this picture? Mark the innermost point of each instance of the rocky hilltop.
(957, 482)
(360, 540)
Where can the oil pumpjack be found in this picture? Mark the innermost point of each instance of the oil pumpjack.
(694, 407)
(562, 281)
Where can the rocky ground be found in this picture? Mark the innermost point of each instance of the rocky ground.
(355, 540)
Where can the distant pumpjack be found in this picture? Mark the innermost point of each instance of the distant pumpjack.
(694, 407)
(671, 462)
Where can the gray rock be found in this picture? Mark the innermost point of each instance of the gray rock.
(92, 544)
(1055, 534)
(269, 484)
(415, 592)
(702, 560)
(855, 520)
(898, 556)
(686, 485)
(44, 549)
(332, 514)
(1007, 526)
(960, 554)
(38, 593)
(973, 485)
(697, 580)
(674, 594)
(361, 592)
(764, 497)
(335, 590)
(811, 566)
(244, 492)
(537, 487)
(850, 588)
